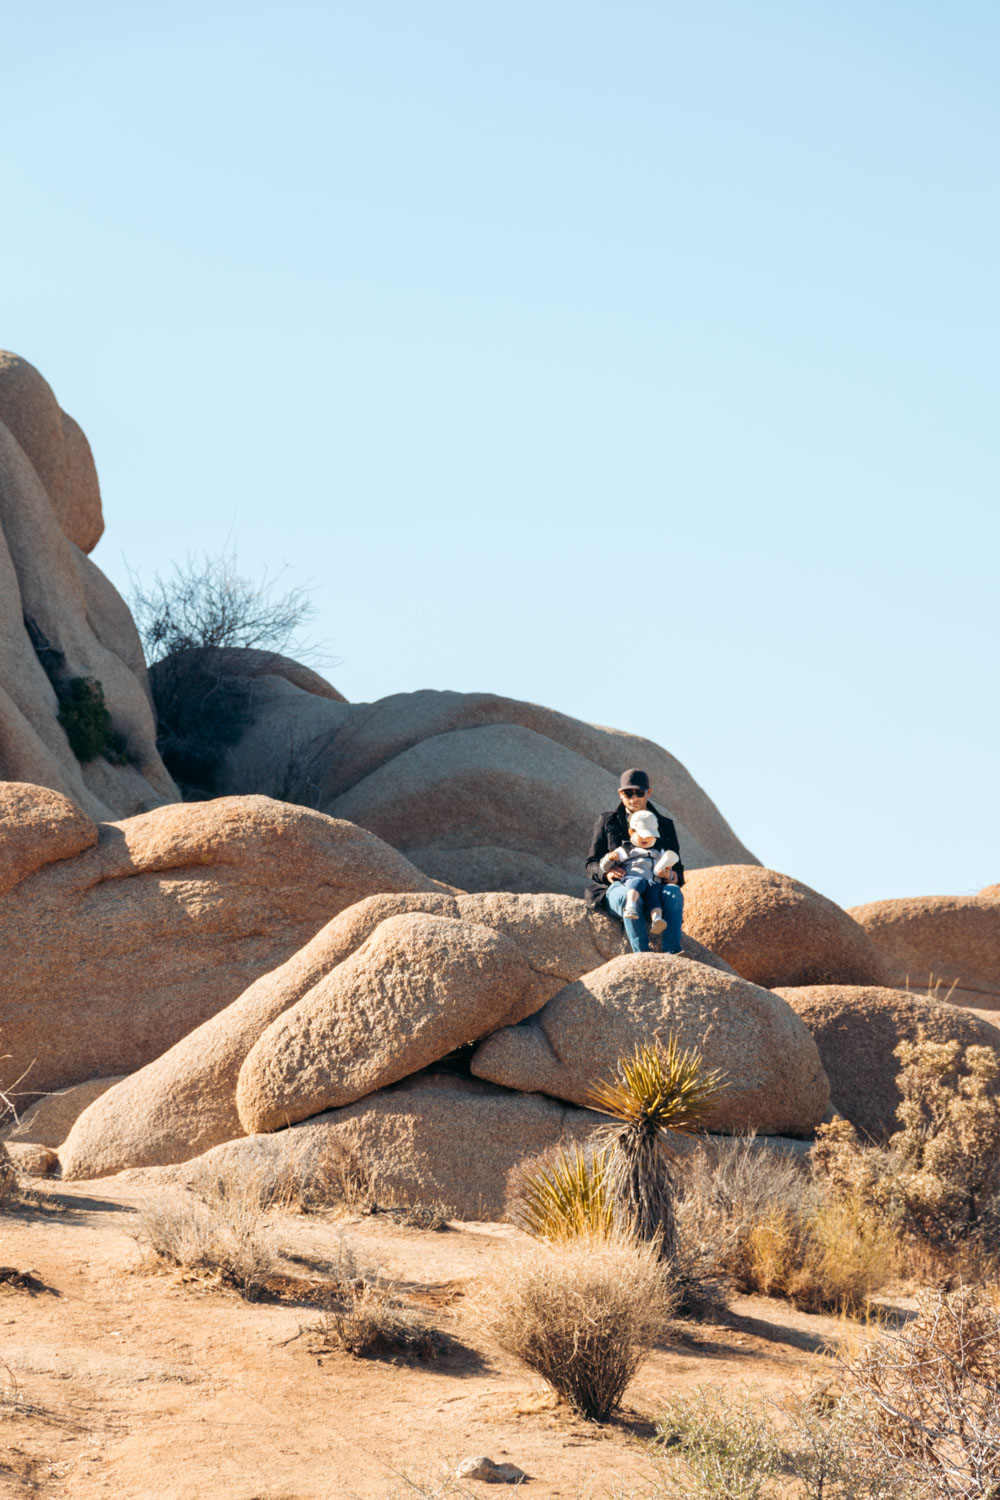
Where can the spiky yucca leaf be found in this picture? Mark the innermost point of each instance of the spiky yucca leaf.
(659, 1092)
(565, 1196)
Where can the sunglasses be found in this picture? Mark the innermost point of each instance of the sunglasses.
(633, 791)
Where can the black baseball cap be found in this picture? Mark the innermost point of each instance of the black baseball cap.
(637, 780)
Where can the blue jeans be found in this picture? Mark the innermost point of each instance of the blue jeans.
(669, 897)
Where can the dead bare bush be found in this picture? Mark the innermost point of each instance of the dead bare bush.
(197, 626)
(583, 1313)
(210, 603)
(930, 1395)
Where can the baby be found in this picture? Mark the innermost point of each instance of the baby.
(647, 869)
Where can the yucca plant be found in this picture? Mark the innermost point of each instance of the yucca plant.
(564, 1195)
(659, 1092)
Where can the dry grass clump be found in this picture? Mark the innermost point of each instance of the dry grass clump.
(221, 1225)
(337, 1178)
(10, 1186)
(763, 1223)
(582, 1313)
(11, 1190)
(364, 1316)
(341, 1180)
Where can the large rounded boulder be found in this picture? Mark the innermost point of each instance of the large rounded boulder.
(857, 1029)
(776, 1083)
(774, 930)
(418, 988)
(946, 945)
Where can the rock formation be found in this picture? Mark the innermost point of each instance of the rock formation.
(435, 1139)
(183, 973)
(420, 987)
(61, 622)
(184, 1102)
(484, 793)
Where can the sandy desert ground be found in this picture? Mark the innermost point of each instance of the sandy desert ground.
(124, 1379)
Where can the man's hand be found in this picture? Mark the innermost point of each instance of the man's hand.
(616, 873)
(670, 878)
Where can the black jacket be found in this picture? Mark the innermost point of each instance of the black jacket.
(610, 830)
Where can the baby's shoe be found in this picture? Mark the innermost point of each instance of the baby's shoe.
(632, 904)
(656, 922)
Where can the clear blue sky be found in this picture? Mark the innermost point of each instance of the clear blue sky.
(637, 360)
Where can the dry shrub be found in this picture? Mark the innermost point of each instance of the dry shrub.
(930, 1395)
(830, 1255)
(221, 1225)
(336, 1178)
(367, 1319)
(715, 1448)
(740, 1446)
(939, 1176)
(724, 1190)
(582, 1313)
(364, 1315)
(762, 1222)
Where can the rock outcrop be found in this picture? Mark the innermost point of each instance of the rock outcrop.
(114, 954)
(481, 792)
(60, 619)
(947, 945)
(776, 1081)
(857, 1028)
(184, 1102)
(56, 448)
(774, 930)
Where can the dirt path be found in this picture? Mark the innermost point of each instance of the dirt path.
(135, 1383)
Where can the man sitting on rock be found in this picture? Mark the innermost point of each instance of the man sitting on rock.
(607, 886)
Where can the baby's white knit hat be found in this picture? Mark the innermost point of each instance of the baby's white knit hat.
(644, 823)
